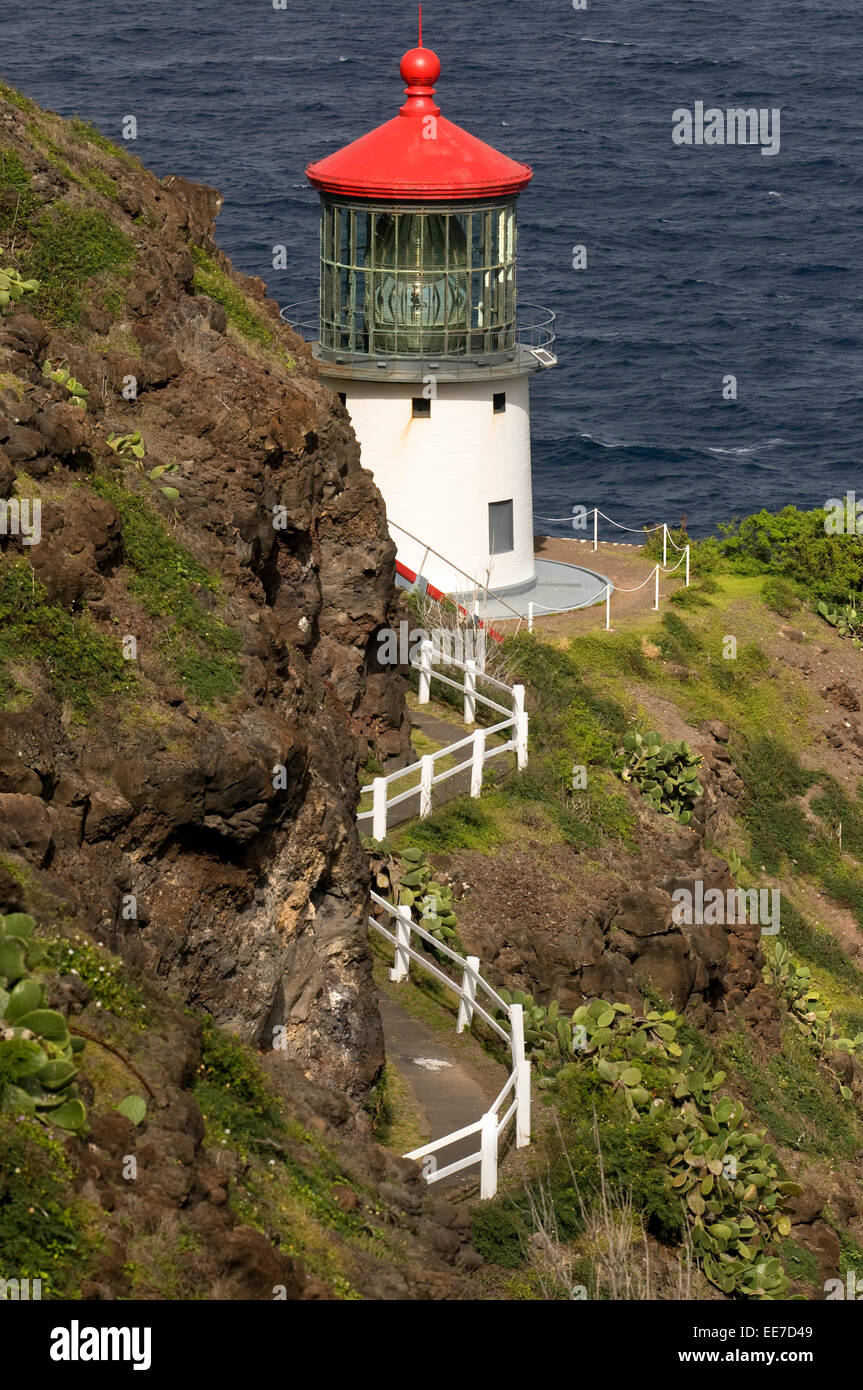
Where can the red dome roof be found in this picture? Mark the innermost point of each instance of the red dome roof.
(419, 154)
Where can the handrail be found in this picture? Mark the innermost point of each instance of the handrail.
(491, 1125)
(515, 718)
(475, 583)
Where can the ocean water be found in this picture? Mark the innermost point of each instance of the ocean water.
(701, 262)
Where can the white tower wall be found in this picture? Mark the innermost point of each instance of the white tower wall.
(438, 474)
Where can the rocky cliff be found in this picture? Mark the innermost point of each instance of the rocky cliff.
(186, 681)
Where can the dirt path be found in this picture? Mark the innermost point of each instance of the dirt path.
(448, 1096)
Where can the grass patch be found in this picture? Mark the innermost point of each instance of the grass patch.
(69, 246)
(791, 1097)
(103, 973)
(463, 824)
(91, 135)
(210, 279)
(84, 667)
(42, 1235)
(18, 202)
(198, 646)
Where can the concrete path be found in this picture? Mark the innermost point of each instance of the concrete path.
(447, 1095)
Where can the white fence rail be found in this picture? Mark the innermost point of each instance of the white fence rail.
(476, 747)
(515, 1094)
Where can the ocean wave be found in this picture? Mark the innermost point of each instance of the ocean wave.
(748, 448)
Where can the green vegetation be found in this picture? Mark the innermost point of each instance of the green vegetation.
(571, 727)
(41, 1232)
(197, 645)
(92, 136)
(63, 377)
(790, 1094)
(69, 246)
(671, 1141)
(464, 824)
(665, 773)
(210, 279)
(407, 880)
(84, 667)
(104, 974)
(18, 202)
(37, 1053)
(17, 98)
(847, 618)
(797, 546)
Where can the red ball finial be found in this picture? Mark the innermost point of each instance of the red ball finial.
(420, 67)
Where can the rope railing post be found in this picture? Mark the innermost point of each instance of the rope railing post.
(664, 545)
(470, 692)
(521, 1067)
(424, 693)
(656, 589)
(488, 1160)
(520, 726)
(477, 760)
(687, 567)
(379, 808)
(426, 775)
(468, 994)
(530, 617)
(608, 608)
(402, 964)
(595, 526)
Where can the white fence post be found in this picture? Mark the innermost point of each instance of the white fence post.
(521, 1066)
(608, 607)
(426, 775)
(656, 593)
(664, 545)
(425, 671)
(468, 994)
(379, 808)
(520, 726)
(687, 567)
(595, 526)
(478, 758)
(530, 617)
(488, 1161)
(470, 692)
(402, 963)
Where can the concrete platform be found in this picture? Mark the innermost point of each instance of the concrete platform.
(557, 586)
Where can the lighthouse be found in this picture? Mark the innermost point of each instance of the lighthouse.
(420, 335)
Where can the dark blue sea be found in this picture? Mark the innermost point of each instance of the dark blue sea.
(701, 262)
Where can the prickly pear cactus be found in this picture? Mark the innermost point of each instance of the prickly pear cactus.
(13, 287)
(64, 377)
(725, 1174)
(37, 1052)
(665, 773)
(847, 618)
(407, 879)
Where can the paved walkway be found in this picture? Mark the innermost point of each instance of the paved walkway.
(449, 1097)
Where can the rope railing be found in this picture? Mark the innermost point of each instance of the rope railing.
(492, 1124)
(607, 592)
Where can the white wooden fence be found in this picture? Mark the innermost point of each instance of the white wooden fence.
(515, 1094)
(478, 743)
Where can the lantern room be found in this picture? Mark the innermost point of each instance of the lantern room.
(419, 331)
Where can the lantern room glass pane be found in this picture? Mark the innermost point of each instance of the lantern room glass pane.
(417, 281)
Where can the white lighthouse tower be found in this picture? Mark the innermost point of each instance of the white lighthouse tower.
(418, 334)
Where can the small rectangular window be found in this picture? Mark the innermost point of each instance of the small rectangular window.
(498, 402)
(420, 408)
(500, 527)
